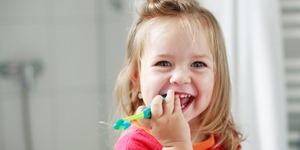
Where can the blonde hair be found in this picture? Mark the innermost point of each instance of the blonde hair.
(216, 119)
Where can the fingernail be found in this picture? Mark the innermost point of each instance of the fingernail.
(170, 92)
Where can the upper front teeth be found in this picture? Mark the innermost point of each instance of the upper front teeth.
(184, 95)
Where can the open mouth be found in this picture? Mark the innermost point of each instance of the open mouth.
(185, 100)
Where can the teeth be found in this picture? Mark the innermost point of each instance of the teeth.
(184, 96)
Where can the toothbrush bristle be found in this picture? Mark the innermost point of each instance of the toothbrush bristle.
(121, 125)
(124, 123)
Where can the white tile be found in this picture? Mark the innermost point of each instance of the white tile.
(13, 95)
(63, 120)
(14, 8)
(11, 122)
(2, 129)
(9, 84)
(77, 54)
(22, 41)
(78, 117)
(116, 27)
(33, 43)
(44, 122)
(74, 8)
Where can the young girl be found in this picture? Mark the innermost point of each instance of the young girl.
(176, 49)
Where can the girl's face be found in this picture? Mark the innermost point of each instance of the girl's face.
(175, 60)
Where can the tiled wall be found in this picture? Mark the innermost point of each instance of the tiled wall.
(81, 44)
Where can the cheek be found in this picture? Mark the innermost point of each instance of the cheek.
(206, 83)
(143, 86)
(205, 90)
(207, 97)
(149, 85)
(208, 89)
(152, 82)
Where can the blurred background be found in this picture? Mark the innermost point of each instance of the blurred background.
(59, 60)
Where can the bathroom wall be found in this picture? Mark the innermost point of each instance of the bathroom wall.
(81, 46)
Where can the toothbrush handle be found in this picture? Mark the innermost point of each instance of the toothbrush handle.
(147, 112)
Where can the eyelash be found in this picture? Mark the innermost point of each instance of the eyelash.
(197, 64)
(163, 64)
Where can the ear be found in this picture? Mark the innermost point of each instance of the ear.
(135, 79)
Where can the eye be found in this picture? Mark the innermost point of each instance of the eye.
(198, 64)
(163, 64)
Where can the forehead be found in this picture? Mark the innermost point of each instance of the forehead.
(161, 30)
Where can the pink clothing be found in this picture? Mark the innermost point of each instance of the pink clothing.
(139, 139)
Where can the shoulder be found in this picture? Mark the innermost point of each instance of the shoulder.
(137, 139)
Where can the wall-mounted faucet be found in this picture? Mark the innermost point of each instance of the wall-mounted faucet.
(26, 72)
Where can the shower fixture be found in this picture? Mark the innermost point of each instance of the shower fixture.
(26, 72)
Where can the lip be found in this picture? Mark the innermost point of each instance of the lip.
(190, 96)
(178, 93)
(187, 103)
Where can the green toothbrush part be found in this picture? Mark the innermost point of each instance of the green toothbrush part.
(124, 123)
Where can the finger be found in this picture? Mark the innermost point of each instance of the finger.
(169, 103)
(177, 106)
(142, 122)
(140, 109)
(156, 107)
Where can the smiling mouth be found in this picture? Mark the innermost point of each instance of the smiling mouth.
(185, 100)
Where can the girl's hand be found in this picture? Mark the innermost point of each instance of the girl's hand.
(167, 123)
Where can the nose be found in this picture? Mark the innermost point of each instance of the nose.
(180, 77)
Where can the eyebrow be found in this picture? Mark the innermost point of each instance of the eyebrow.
(195, 56)
(203, 56)
(163, 55)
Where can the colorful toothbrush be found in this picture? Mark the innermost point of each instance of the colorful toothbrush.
(124, 123)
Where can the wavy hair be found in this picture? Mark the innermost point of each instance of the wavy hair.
(216, 119)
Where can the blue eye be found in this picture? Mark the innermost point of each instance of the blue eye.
(164, 64)
(198, 64)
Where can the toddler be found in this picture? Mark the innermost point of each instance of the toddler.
(176, 48)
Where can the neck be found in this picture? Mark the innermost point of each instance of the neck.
(196, 136)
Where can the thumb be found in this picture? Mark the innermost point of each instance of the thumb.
(143, 122)
(140, 109)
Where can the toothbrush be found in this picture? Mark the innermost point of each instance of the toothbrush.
(124, 123)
